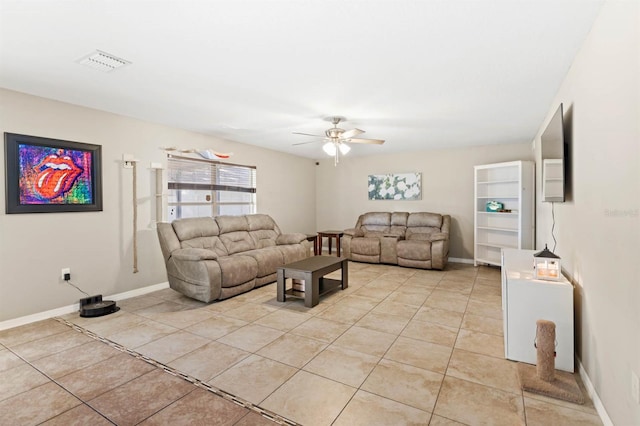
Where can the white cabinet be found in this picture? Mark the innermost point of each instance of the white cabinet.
(525, 300)
(512, 186)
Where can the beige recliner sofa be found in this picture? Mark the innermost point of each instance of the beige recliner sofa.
(211, 258)
(417, 240)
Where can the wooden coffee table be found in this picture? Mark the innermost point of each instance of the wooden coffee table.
(312, 270)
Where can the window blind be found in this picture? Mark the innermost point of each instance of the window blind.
(202, 174)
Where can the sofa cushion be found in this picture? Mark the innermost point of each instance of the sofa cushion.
(199, 233)
(398, 231)
(232, 223)
(195, 227)
(414, 250)
(399, 218)
(237, 242)
(268, 259)
(421, 233)
(260, 222)
(432, 220)
(264, 237)
(236, 270)
(376, 222)
(366, 246)
(208, 243)
(376, 219)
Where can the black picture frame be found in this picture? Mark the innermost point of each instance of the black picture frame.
(44, 175)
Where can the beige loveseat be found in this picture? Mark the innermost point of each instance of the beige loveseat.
(417, 240)
(210, 258)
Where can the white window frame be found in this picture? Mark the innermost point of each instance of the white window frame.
(208, 179)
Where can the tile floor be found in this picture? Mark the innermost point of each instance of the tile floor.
(399, 346)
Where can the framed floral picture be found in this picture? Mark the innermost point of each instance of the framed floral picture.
(50, 175)
(395, 186)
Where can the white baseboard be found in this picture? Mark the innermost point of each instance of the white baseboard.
(460, 260)
(16, 322)
(139, 291)
(591, 390)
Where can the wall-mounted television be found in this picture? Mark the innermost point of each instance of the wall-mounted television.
(553, 159)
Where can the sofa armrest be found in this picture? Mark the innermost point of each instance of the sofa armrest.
(434, 236)
(353, 232)
(194, 254)
(438, 236)
(293, 238)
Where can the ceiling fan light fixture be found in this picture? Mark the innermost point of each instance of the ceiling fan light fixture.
(329, 148)
(344, 148)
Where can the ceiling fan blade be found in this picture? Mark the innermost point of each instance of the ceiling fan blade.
(308, 134)
(351, 133)
(370, 141)
(304, 143)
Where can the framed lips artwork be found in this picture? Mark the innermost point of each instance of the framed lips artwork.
(45, 175)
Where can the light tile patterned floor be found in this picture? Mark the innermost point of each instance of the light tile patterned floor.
(399, 346)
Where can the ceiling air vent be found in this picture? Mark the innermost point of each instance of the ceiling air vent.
(103, 61)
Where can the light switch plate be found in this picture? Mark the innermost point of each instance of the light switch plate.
(635, 387)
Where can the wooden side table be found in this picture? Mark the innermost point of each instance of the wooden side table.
(330, 234)
(314, 239)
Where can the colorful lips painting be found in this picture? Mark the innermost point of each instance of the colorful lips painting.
(51, 175)
(56, 175)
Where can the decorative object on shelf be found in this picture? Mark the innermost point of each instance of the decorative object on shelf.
(49, 175)
(546, 265)
(209, 154)
(395, 186)
(494, 206)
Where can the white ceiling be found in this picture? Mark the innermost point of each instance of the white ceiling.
(420, 74)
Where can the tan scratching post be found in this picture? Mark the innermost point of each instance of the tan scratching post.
(546, 350)
(543, 379)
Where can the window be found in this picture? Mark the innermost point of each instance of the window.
(199, 187)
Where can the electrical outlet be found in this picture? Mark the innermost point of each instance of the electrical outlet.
(65, 271)
(635, 387)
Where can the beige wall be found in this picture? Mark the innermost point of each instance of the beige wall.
(598, 227)
(97, 246)
(447, 187)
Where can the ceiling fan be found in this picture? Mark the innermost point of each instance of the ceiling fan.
(336, 138)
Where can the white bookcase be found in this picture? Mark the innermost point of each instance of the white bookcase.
(512, 185)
